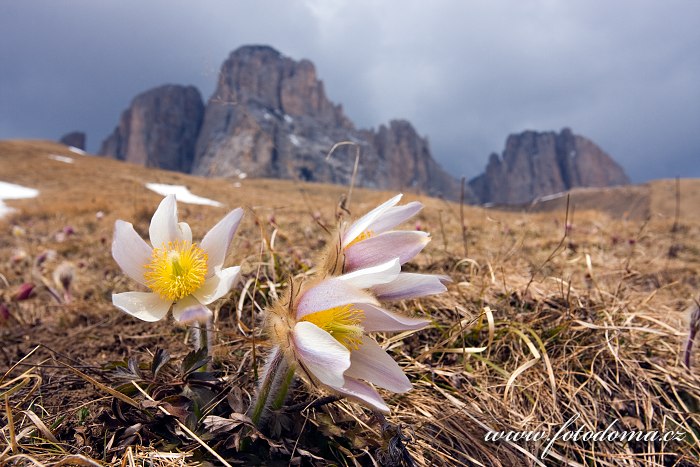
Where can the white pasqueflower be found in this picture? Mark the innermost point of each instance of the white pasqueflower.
(178, 272)
(322, 330)
(370, 240)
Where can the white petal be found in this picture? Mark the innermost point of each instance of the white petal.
(130, 251)
(189, 310)
(371, 363)
(409, 285)
(323, 356)
(218, 240)
(363, 393)
(361, 224)
(379, 319)
(142, 305)
(403, 244)
(185, 231)
(164, 227)
(217, 286)
(331, 293)
(368, 277)
(395, 216)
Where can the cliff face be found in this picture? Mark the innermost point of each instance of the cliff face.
(536, 164)
(270, 117)
(159, 129)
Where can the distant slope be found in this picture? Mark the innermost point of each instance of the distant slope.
(91, 184)
(652, 199)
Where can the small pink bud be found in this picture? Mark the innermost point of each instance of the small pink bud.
(23, 292)
(419, 227)
(48, 255)
(99, 215)
(4, 313)
(68, 230)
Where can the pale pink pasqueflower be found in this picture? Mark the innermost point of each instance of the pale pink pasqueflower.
(322, 330)
(181, 274)
(371, 240)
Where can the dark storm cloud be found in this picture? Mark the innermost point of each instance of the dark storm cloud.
(625, 74)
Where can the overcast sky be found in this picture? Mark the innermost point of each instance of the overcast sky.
(625, 74)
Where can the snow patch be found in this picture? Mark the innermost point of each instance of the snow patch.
(12, 191)
(182, 194)
(65, 159)
(288, 118)
(295, 141)
(550, 197)
(77, 150)
(242, 175)
(267, 116)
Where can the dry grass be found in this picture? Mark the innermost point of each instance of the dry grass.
(532, 331)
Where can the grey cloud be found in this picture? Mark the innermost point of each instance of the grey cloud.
(466, 74)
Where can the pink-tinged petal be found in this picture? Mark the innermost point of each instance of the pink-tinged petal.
(395, 216)
(379, 319)
(362, 393)
(130, 251)
(361, 224)
(331, 293)
(145, 306)
(189, 310)
(323, 356)
(375, 275)
(409, 285)
(217, 286)
(218, 240)
(371, 363)
(185, 231)
(164, 227)
(376, 250)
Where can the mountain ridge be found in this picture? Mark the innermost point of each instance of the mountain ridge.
(270, 117)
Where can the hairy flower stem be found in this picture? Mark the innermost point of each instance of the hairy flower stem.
(196, 336)
(273, 387)
(203, 337)
(284, 385)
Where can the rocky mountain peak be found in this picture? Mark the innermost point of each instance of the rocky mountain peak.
(270, 117)
(262, 76)
(75, 139)
(535, 164)
(159, 129)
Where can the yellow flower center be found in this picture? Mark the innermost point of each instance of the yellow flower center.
(176, 270)
(363, 236)
(341, 322)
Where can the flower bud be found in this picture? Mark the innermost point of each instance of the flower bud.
(63, 278)
(23, 292)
